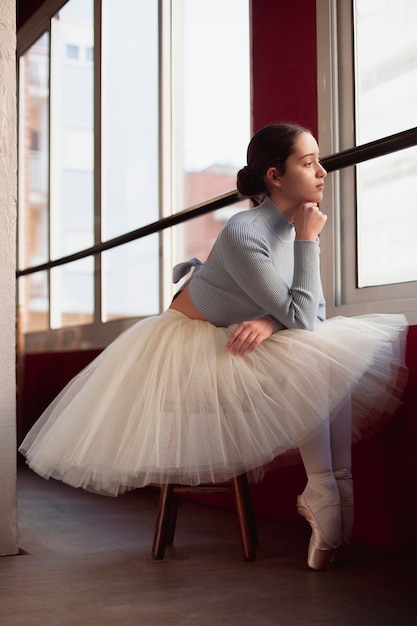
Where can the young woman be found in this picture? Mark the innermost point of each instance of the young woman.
(241, 368)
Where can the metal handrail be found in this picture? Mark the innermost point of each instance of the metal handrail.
(218, 202)
(371, 150)
(340, 160)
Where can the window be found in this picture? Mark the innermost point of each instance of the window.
(112, 138)
(386, 103)
(33, 246)
(369, 91)
(129, 155)
(71, 166)
(212, 126)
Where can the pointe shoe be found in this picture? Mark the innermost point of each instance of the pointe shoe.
(320, 549)
(345, 487)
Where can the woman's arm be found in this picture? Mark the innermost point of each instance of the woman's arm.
(247, 257)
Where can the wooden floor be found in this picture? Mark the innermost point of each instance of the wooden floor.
(86, 560)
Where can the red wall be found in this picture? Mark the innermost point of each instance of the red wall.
(43, 377)
(284, 64)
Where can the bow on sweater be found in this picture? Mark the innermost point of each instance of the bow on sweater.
(181, 269)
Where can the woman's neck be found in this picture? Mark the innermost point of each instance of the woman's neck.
(288, 210)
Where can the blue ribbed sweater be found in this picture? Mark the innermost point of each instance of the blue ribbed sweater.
(257, 269)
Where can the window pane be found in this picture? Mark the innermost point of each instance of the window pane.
(211, 112)
(387, 219)
(33, 311)
(129, 115)
(130, 288)
(33, 154)
(386, 67)
(212, 91)
(386, 103)
(72, 293)
(72, 147)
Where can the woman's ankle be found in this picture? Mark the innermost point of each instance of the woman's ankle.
(345, 487)
(321, 490)
(322, 497)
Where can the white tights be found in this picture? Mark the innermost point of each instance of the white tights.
(329, 451)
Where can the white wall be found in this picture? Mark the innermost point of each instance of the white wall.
(8, 509)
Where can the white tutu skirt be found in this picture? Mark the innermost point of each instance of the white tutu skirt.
(165, 402)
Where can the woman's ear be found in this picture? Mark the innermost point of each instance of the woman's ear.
(273, 176)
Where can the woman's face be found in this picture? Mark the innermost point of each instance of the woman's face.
(303, 180)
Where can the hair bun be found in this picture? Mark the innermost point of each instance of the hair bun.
(248, 183)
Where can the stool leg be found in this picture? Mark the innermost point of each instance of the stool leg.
(244, 521)
(172, 519)
(162, 521)
(249, 509)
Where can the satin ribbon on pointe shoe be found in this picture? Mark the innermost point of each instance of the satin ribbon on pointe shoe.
(320, 549)
(345, 487)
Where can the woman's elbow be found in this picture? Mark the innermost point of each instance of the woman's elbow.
(304, 322)
(307, 325)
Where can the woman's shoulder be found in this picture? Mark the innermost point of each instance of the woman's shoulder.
(264, 221)
(243, 231)
(254, 217)
(248, 216)
(258, 219)
(242, 222)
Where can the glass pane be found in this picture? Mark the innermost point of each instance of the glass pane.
(212, 97)
(211, 114)
(72, 145)
(387, 219)
(33, 154)
(129, 115)
(130, 279)
(386, 67)
(33, 310)
(386, 103)
(72, 289)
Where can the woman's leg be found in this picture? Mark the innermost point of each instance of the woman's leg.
(321, 493)
(327, 501)
(319, 503)
(327, 453)
(341, 445)
(341, 436)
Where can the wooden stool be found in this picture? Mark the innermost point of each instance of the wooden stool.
(168, 508)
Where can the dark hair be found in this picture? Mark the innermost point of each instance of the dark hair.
(269, 147)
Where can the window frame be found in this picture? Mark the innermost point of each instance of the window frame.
(100, 332)
(336, 123)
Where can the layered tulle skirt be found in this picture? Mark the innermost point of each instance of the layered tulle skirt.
(165, 402)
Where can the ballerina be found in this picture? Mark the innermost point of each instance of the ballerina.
(241, 368)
